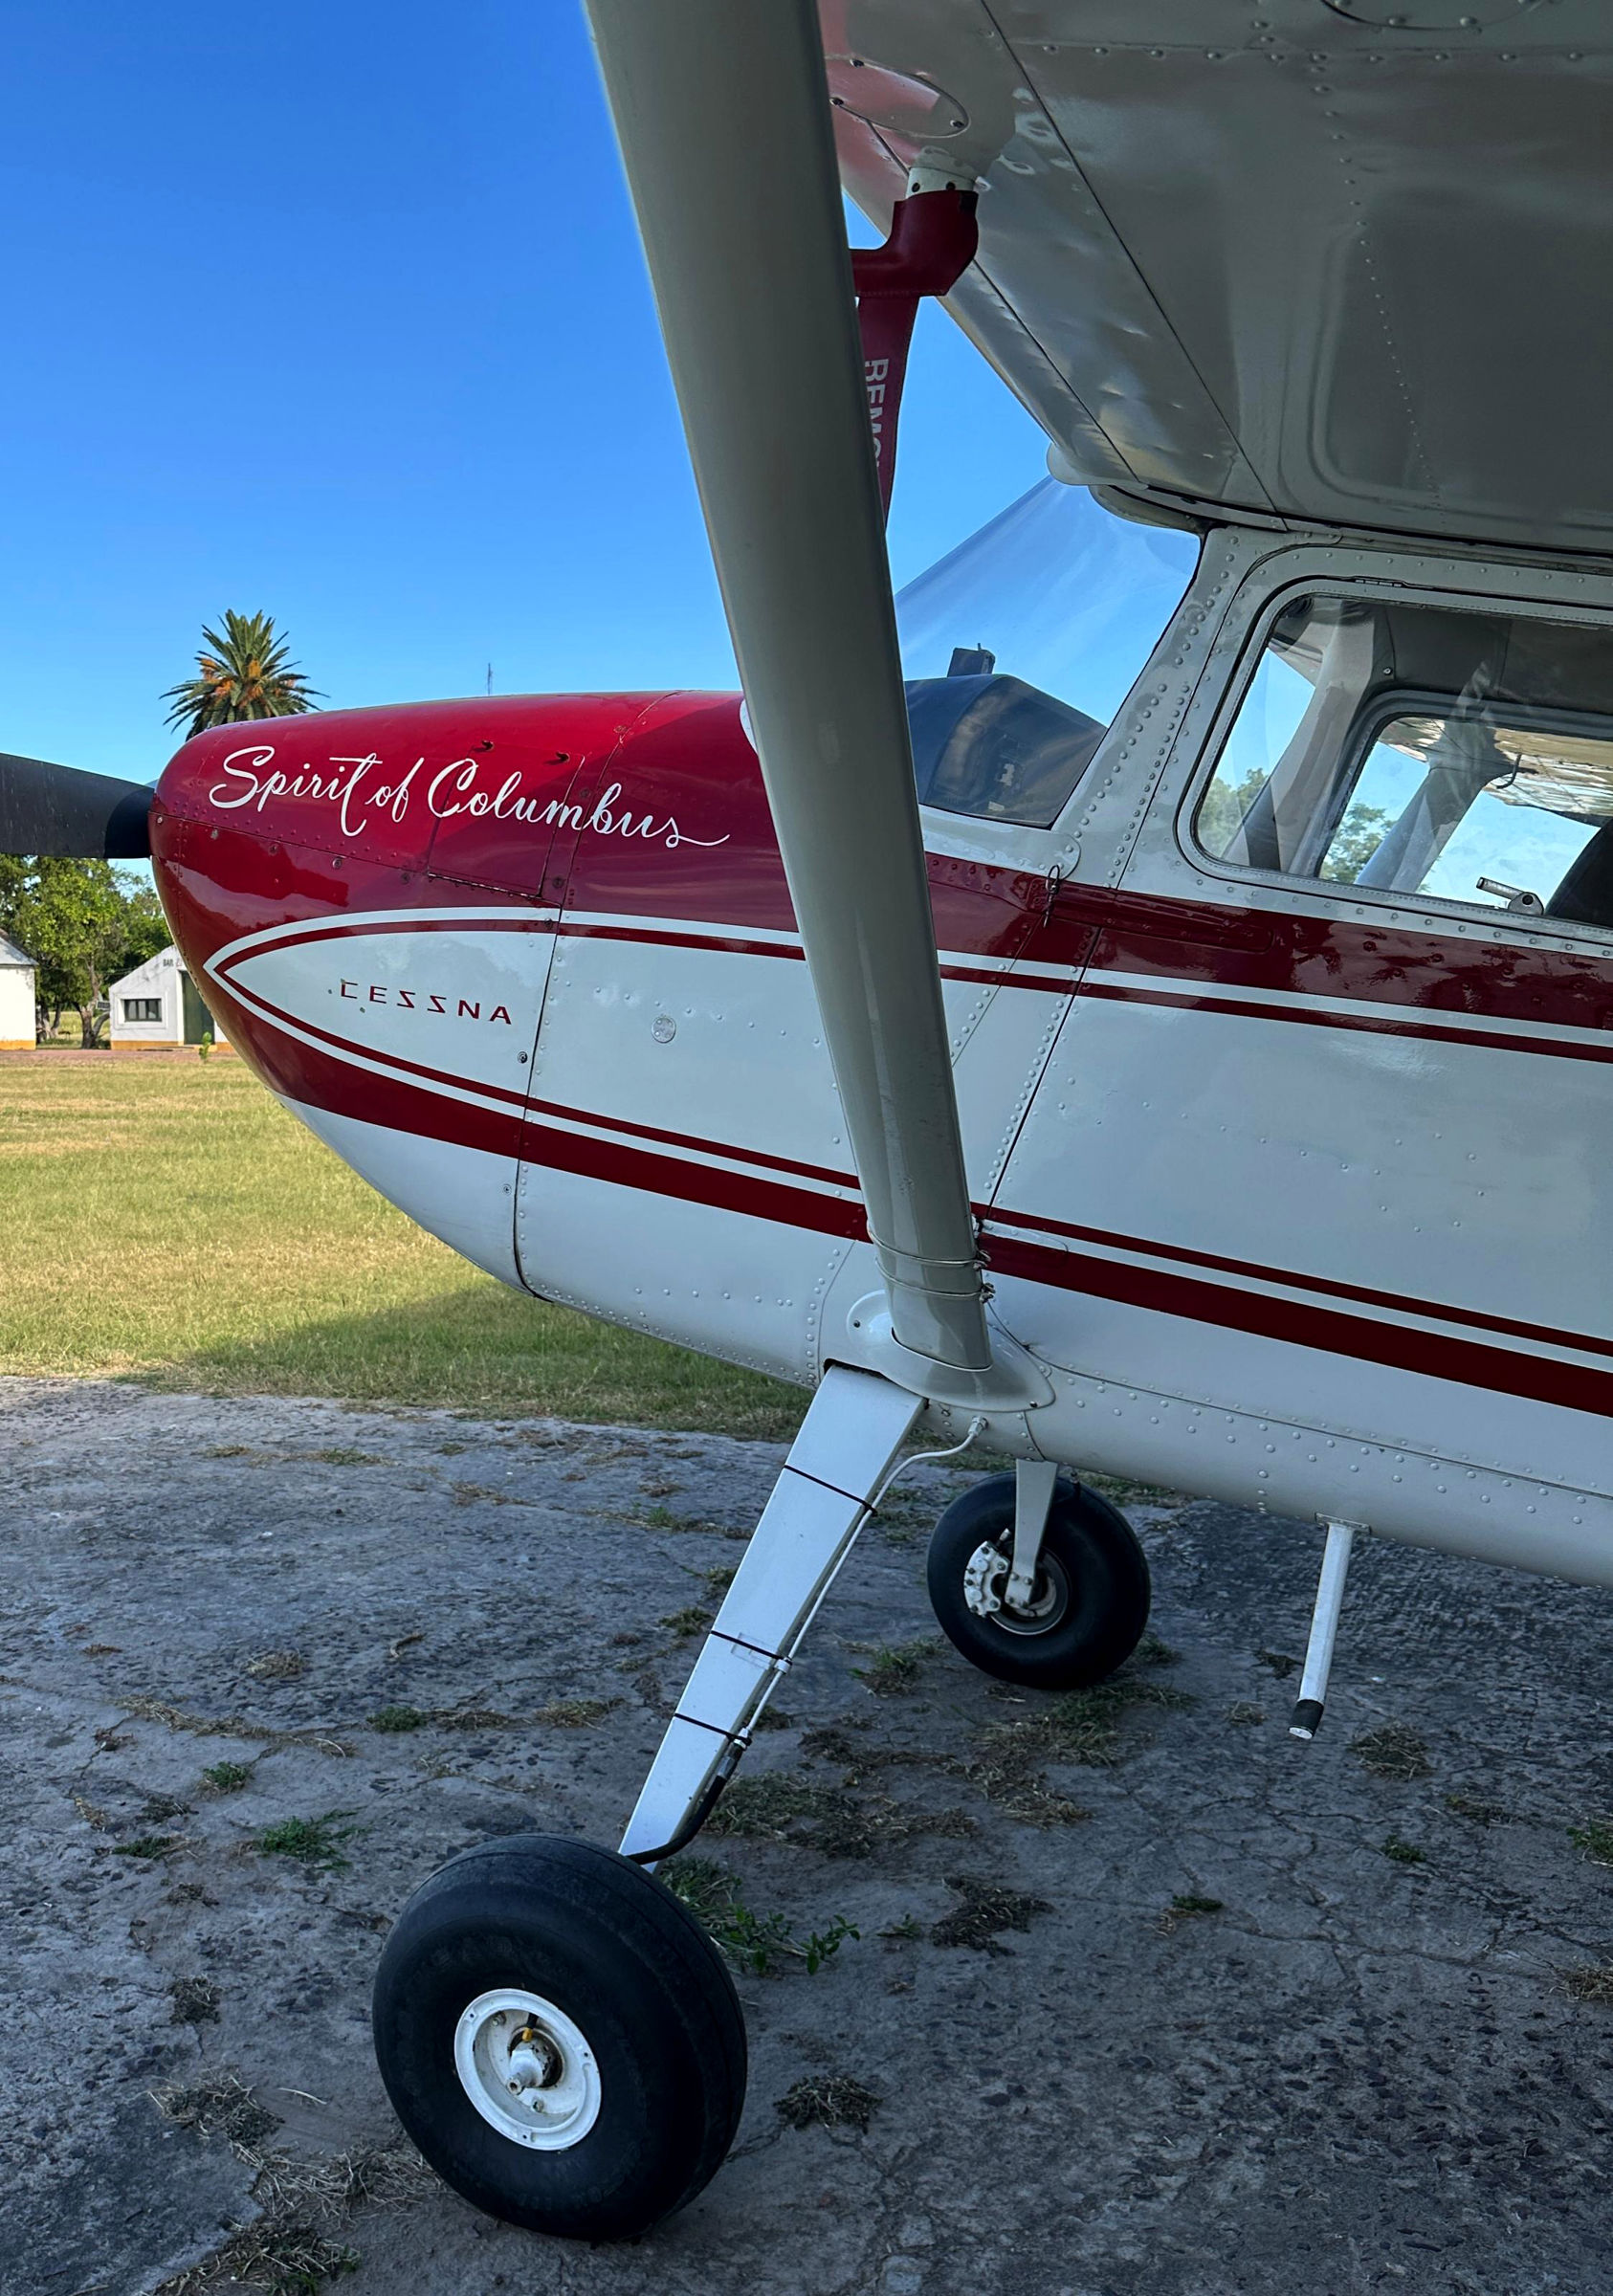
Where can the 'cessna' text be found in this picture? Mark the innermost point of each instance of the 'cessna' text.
(421, 1000)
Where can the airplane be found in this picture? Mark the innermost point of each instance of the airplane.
(1146, 1008)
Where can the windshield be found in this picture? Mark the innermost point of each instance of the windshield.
(1021, 645)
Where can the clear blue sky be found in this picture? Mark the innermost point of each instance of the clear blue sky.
(339, 312)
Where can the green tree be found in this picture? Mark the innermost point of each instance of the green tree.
(1355, 841)
(244, 673)
(145, 929)
(1224, 803)
(84, 924)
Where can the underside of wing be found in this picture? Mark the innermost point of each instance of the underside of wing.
(1333, 260)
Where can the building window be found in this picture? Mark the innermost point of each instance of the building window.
(143, 1009)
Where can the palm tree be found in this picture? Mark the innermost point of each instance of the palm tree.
(244, 673)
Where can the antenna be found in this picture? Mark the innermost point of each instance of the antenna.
(490, 677)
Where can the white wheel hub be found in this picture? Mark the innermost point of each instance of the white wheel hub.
(527, 2069)
(987, 1578)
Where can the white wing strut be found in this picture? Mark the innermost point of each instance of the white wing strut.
(723, 117)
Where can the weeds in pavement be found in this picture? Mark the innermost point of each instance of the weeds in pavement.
(895, 1670)
(1594, 1840)
(758, 1943)
(312, 1842)
(1189, 1907)
(226, 1778)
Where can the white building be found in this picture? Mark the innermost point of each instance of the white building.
(158, 1003)
(17, 1031)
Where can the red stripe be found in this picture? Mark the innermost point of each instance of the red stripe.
(316, 1077)
(656, 939)
(1441, 974)
(998, 1220)
(387, 1061)
(1466, 1361)
(1371, 1024)
(694, 1144)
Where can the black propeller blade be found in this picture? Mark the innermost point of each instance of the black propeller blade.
(58, 811)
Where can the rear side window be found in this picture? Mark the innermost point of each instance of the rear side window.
(1423, 750)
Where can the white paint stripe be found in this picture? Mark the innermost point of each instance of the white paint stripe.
(538, 919)
(334, 928)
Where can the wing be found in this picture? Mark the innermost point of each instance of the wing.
(1336, 260)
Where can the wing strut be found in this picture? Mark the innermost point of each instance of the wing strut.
(723, 113)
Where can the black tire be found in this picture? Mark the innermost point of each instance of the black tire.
(1092, 1594)
(606, 1945)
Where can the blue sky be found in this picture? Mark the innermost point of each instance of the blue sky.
(339, 312)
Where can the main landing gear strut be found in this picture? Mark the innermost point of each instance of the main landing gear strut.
(559, 2034)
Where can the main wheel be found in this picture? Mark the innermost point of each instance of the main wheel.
(1088, 1605)
(560, 2038)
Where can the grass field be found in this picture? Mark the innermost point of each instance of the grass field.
(163, 1218)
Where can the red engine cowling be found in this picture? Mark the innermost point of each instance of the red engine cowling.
(620, 801)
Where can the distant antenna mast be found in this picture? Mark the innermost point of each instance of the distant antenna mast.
(490, 677)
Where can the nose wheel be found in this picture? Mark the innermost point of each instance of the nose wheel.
(560, 2038)
(1087, 1601)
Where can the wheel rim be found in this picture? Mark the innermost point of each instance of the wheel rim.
(987, 1575)
(527, 2069)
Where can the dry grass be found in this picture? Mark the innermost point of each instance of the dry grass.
(985, 1909)
(1594, 1982)
(293, 2247)
(1393, 1750)
(828, 2101)
(169, 1221)
(781, 1805)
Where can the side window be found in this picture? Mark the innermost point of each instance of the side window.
(1468, 757)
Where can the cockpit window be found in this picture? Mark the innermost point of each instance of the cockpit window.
(1465, 757)
(1022, 645)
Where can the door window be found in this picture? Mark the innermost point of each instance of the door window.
(1464, 756)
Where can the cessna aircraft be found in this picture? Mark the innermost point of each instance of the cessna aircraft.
(1152, 1010)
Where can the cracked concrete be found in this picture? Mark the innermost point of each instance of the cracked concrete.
(1361, 2072)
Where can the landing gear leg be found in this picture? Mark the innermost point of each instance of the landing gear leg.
(848, 1441)
(558, 2033)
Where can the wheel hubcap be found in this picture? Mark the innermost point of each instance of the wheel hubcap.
(988, 1575)
(527, 2069)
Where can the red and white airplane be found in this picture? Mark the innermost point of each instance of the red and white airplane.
(1163, 1026)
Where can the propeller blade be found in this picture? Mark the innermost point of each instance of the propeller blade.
(723, 117)
(56, 809)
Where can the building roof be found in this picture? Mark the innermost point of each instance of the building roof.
(149, 975)
(10, 954)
